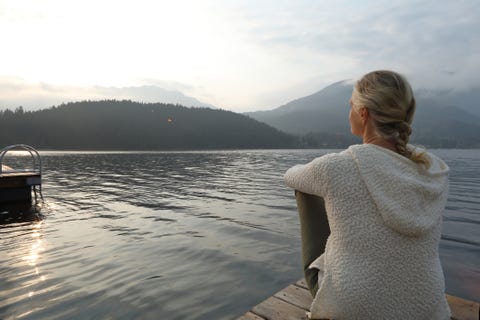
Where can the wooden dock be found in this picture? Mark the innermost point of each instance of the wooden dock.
(17, 185)
(294, 301)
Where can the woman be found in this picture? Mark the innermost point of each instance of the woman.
(384, 202)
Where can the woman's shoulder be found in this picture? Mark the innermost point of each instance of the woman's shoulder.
(338, 157)
(334, 162)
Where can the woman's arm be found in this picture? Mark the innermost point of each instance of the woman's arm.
(310, 178)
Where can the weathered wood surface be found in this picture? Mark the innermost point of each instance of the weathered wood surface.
(463, 309)
(292, 303)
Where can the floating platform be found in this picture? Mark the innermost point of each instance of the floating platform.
(294, 301)
(17, 185)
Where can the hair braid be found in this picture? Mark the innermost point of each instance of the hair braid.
(401, 138)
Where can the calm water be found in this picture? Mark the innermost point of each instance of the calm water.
(186, 235)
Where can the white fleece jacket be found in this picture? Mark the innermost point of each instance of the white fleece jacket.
(385, 211)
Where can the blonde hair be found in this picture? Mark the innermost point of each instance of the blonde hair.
(389, 99)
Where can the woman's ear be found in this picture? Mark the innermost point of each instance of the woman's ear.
(364, 113)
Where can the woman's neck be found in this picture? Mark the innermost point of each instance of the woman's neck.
(370, 136)
(381, 143)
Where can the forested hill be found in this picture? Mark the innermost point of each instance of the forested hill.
(127, 125)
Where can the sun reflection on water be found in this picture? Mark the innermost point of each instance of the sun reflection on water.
(34, 254)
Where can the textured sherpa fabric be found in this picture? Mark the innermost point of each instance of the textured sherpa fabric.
(381, 259)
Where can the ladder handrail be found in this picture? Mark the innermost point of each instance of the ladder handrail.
(37, 166)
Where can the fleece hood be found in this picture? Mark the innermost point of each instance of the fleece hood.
(409, 197)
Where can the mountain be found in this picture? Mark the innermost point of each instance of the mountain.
(326, 110)
(34, 96)
(127, 125)
(151, 94)
(445, 127)
(467, 100)
(443, 118)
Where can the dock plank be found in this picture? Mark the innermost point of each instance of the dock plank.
(250, 316)
(463, 309)
(274, 308)
(297, 296)
(302, 283)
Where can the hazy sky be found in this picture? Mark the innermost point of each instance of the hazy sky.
(236, 54)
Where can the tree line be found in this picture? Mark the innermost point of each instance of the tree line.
(128, 125)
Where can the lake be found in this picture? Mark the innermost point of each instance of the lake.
(184, 235)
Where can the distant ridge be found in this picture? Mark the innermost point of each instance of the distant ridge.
(151, 94)
(34, 96)
(444, 119)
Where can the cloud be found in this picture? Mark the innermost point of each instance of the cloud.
(418, 38)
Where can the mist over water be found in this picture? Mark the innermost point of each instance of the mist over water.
(184, 235)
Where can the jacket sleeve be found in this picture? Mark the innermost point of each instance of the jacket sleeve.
(311, 178)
